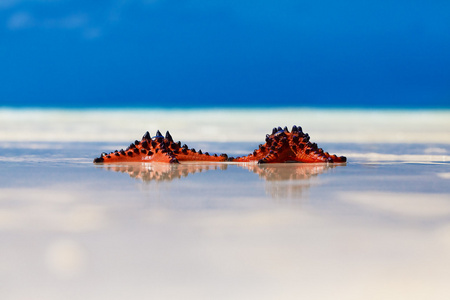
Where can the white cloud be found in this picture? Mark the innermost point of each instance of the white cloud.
(20, 20)
(4, 4)
(86, 22)
(92, 33)
(80, 22)
(68, 22)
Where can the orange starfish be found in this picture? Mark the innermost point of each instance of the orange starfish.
(281, 146)
(158, 149)
(284, 146)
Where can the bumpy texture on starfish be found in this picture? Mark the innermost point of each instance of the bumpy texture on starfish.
(158, 149)
(281, 146)
(284, 146)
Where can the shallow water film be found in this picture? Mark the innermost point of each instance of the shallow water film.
(366, 229)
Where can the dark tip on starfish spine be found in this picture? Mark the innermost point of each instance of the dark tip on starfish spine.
(200, 151)
(279, 128)
(136, 142)
(158, 134)
(168, 136)
(193, 150)
(274, 130)
(294, 129)
(116, 154)
(136, 150)
(224, 155)
(122, 152)
(286, 129)
(146, 136)
(143, 151)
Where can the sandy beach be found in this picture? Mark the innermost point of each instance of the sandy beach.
(377, 227)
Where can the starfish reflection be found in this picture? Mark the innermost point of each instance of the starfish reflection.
(283, 181)
(162, 172)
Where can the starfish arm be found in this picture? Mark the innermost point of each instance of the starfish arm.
(195, 156)
(280, 152)
(185, 154)
(279, 156)
(308, 152)
(257, 154)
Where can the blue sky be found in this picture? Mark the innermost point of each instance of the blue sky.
(182, 53)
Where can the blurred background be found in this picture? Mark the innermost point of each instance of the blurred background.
(192, 53)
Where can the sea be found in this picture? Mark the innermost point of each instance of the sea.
(376, 227)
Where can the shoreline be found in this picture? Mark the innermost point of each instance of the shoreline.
(226, 125)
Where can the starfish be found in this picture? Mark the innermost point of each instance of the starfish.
(284, 146)
(281, 146)
(158, 149)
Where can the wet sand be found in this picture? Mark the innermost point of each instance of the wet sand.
(377, 227)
